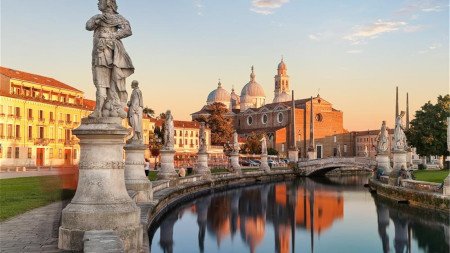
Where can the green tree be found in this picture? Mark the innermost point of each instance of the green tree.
(252, 144)
(220, 124)
(428, 131)
(148, 111)
(272, 151)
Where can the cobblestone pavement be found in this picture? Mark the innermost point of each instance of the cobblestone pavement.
(33, 231)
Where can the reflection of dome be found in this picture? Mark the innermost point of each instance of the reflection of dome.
(282, 97)
(219, 95)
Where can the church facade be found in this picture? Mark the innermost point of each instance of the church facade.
(289, 123)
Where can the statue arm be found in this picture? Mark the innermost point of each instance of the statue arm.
(124, 29)
(92, 23)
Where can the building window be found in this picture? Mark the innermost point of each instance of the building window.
(319, 117)
(30, 132)
(17, 153)
(67, 117)
(29, 153)
(264, 119)
(2, 134)
(282, 147)
(249, 120)
(41, 132)
(174, 133)
(9, 152)
(59, 153)
(280, 117)
(17, 111)
(345, 148)
(30, 114)
(1, 152)
(175, 141)
(41, 114)
(17, 131)
(51, 116)
(9, 131)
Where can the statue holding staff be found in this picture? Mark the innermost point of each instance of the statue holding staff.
(135, 108)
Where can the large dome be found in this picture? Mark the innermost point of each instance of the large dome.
(282, 97)
(219, 95)
(253, 88)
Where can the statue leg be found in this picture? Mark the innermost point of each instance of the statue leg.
(101, 77)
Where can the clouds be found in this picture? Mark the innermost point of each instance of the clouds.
(414, 6)
(266, 7)
(430, 48)
(199, 6)
(362, 33)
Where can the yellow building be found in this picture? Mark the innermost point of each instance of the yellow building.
(37, 115)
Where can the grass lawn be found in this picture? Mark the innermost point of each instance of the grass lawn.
(18, 195)
(436, 176)
(152, 175)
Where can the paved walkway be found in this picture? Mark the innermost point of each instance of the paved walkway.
(33, 231)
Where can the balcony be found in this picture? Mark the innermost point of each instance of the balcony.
(52, 121)
(18, 117)
(71, 142)
(41, 120)
(68, 122)
(30, 118)
(41, 141)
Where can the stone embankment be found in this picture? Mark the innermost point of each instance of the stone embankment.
(415, 193)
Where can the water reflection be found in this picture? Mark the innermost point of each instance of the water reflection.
(277, 217)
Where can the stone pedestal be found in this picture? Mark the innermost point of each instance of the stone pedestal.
(135, 178)
(264, 165)
(234, 160)
(201, 167)
(384, 163)
(101, 201)
(167, 170)
(399, 162)
(409, 158)
(293, 155)
(311, 155)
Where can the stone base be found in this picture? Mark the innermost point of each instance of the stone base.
(384, 163)
(101, 201)
(167, 170)
(234, 160)
(201, 168)
(264, 165)
(135, 178)
(311, 155)
(293, 155)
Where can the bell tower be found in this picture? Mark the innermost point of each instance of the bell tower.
(281, 79)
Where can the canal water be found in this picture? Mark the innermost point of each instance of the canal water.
(305, 215)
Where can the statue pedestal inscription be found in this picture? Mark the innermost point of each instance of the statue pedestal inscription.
(201, 167)
(234, 162)
(101, 201)
(167, 170)
(135, 178)
(264, 165)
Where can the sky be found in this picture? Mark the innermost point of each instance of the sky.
(353, 53)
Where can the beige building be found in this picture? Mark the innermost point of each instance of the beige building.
(37, 115)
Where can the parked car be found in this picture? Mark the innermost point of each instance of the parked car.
(253, 163)
(245, 163)
(272, 163)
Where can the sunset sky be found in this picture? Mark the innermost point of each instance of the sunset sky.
(352, 52)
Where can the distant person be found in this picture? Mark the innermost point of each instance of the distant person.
(182, 172)
(146, 166)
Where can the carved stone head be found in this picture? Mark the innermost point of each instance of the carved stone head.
(104, 5)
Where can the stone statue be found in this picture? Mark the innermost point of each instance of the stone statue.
(366, 152)
(263, 145)
(235, 147)
(110, 62)
(382, 139)
(399, 135)
(202, 136)
(339, 154)
(135, 107)
(168, 132)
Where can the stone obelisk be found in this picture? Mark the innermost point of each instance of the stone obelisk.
(399, 152)
(101, 201)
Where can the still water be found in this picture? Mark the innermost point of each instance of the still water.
(305, 215)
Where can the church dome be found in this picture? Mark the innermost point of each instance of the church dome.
(253, 88)
(219, 95)
(282, 97)
(234, 96)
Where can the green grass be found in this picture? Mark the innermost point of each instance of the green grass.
(18, 195)
(436, 176)
(152, 175)
(218, 170)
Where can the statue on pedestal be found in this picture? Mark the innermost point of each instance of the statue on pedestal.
(168, 132)
(382, 139)
(135, 107)
(263, 145)
(235, 147)
(202, 136)
(399, 136)
(110, 62)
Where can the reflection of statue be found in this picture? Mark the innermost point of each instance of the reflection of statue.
(202, 137)
(236, 147)
(399, 135)
(382, 139)
(264, 145)
(135, 106)
(110, 62)
(168, 132)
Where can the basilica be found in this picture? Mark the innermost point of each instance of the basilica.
(291, 124)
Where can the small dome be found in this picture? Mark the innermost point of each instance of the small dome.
(219, 95)
(281, 65)
(253, 88)
(282, 97)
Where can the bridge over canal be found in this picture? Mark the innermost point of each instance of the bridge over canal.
(321, 166)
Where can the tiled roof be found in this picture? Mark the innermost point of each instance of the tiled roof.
(178, 123)
(48, 81)
(90, 104)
